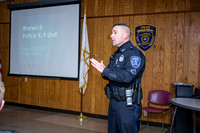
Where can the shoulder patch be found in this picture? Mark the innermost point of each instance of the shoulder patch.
(135, 61)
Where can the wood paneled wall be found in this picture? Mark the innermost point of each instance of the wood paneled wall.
(175, 56)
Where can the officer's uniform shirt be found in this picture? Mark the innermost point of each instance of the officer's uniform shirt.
(126, 64)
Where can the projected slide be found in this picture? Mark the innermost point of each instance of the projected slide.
(45, 41)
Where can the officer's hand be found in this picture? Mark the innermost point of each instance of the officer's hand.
(99, 66)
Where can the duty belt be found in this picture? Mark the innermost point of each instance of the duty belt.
(131, 95)
(119, 93)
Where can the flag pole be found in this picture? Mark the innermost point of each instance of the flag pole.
(81, 116)
(84, 50)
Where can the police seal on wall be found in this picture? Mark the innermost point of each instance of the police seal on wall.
(145, 36)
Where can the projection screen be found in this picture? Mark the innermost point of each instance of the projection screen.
(44, 41)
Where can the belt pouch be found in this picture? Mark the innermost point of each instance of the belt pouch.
(122, 93)
(116, 94)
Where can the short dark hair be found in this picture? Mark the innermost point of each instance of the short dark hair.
(120, 24)
(126, 27)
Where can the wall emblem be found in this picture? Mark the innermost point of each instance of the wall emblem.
(145, 36)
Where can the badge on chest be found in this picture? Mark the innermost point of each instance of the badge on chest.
(119, 60)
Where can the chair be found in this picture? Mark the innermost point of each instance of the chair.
(158, 97)
(2, 104)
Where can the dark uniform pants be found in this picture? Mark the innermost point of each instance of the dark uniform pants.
(123, 118)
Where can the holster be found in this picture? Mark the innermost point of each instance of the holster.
(108, 91)
(134, 96)
(137, 96)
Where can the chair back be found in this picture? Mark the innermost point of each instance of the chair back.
(159, 97)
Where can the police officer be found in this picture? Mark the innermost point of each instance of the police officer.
(124, 73)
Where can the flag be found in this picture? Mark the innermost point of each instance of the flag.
(0, 71)
(85, 58)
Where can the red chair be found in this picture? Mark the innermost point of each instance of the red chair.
(158, 97)
(2, 104)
